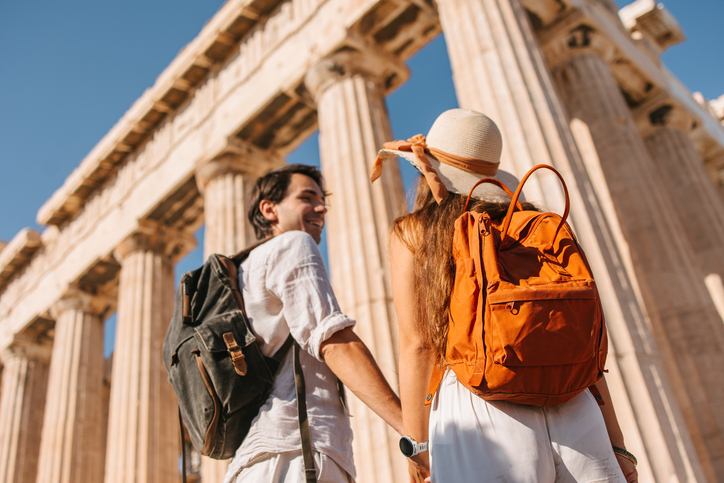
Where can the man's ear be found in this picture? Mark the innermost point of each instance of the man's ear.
(268, 210)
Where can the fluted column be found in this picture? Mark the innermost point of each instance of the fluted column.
(22, 401)
(499, 69)
(698, 206)
(226, 182)
(682, 314)
(73, 437)
(143, 435)
(715, 167)
(353, 124)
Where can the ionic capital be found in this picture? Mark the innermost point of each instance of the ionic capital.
(238, 157)
(384, 69)
(26, 348)
(662, 112)
(77, 299)
(153, 236)
(577, 38)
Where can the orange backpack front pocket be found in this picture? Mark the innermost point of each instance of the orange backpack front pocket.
(528, 324)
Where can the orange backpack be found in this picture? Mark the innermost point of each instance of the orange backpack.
(526, 322)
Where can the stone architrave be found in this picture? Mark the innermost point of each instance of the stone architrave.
(143, 433)
(73, 441)
(353, 124)
(22, 401)
(499, 69)
(225, 183)
(684, 319)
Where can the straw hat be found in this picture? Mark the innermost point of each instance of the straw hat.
(461, 148)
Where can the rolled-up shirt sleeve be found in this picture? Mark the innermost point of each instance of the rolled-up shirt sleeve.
(298, 277)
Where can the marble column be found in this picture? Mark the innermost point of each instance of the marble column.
(225, 183)
(682, 314)
(73, 437)
(22, 402)
(143, 434)
(698, 206)
(353, 124)
(715, 168)
(499, 69)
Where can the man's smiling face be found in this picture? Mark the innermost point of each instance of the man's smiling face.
(302, 208)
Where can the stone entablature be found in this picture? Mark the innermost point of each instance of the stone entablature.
(651, 22)
(264, 25)
(16, 254)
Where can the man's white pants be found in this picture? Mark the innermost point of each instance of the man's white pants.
(289, 468)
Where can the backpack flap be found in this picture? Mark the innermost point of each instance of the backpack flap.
(228, 347)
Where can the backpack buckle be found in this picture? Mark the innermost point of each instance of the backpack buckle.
(237, 356)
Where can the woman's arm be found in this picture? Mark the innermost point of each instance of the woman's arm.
(416, 356)
(614, 431)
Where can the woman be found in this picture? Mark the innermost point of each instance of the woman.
(471, 439)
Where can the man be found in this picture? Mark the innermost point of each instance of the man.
(286, 290)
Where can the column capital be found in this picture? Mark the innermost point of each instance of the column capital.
(663, 112)
(153, 236)
(385, 69)
(576, 36)
(77, 299)
(238, 157)
(26, 347)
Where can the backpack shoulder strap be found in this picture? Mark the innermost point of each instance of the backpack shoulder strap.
(241, 256)
(310, 471)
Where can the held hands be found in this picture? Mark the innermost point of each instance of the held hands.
(419, 468)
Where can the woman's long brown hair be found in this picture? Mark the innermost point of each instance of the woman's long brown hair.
(428, 233)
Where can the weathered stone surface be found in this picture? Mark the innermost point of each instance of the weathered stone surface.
(73, 437)
(684, 319)
(22, 401)
(143, 444)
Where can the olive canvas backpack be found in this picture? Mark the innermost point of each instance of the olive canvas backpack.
(526, 323)
(215, 365)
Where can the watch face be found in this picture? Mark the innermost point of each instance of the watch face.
(406, 447)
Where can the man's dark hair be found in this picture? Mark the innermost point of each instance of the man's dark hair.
(273, 186)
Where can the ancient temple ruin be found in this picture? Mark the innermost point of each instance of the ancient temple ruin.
(573, 83)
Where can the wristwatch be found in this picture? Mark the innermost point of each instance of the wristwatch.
(410, 447)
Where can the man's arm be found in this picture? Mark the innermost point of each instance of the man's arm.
(351, 361)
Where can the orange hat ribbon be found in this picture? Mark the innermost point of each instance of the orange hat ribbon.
(418, 146)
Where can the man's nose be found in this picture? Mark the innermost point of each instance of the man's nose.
(321, 208)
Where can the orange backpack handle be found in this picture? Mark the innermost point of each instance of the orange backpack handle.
(491, 181)
(509, 216)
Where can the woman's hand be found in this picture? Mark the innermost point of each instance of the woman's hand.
(419, 468)
(628, 468)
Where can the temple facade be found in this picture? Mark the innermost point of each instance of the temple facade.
(577, 84)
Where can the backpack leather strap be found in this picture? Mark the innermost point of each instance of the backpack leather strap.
(183, 446)
(516, 195)
(310, 472)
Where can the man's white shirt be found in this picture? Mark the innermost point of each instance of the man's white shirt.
(286, 289)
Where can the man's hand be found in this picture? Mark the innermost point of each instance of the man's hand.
(351, 361)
